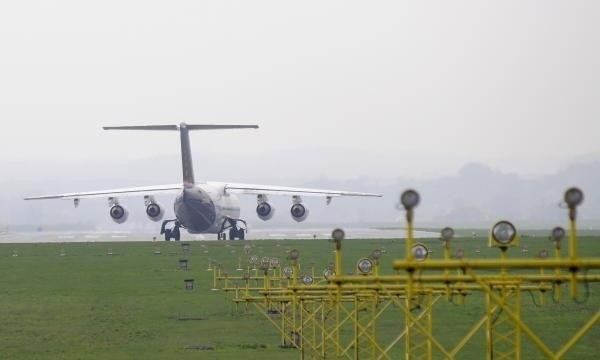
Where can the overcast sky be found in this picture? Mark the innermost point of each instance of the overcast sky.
(513, 84)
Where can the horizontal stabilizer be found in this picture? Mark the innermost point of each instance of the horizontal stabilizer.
(178, 127)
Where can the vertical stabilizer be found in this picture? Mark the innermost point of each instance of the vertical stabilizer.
(186, 156)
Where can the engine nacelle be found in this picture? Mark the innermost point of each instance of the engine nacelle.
(265, 211)
(299, 212)
(155, 211)
(119, 214)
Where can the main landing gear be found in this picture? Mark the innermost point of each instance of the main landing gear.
(235, 231)
(172, 233)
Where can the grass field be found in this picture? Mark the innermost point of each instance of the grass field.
(90, 305)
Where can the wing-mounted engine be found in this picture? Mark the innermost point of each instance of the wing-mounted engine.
(298, 211)
(264, 210)
(154, 210)
(117, 212)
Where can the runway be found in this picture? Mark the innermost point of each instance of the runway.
(317, 233)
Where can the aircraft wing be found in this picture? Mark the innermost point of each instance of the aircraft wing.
(171, 188)
(284, 190)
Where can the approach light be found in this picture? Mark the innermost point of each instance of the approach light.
(573, 197)
(247, 249)
(328, 273)
(294, 254)
(365, 266)
(183, 264)
(503, 234)
(376, 254)
(410, 199)
(265, 262)
(459, 254)
(558, 234)
(189, 284)
(274, 262)
(543, 254)
(288, 272)
(420, 252)
(253, 260)
(447, 234)
(307, 279)
(338, 235)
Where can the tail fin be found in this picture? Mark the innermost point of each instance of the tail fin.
(186, 153)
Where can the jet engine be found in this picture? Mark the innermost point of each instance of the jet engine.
(155, 211)
(299, 212)
(265, 211)
(119, 214)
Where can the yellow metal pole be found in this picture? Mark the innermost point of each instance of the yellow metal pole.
(573, 252)
(557, 290)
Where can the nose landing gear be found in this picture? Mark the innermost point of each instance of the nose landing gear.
(235, 231)
(172, 233)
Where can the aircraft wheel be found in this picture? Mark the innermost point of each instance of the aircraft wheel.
(241, 234)
(176, 234)
(232, 234)
(167, 234)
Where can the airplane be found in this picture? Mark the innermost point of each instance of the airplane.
(201, 207)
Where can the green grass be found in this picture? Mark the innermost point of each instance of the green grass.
(89, 305)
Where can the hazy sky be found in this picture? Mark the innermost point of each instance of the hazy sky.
(515, 84)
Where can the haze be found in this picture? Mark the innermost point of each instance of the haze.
(342, 90)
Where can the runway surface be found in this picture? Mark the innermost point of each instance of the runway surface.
(253, 234)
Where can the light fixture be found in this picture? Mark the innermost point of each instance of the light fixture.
(288, 272)
(307, 279)
(503, 234)
(338, 235)
(365, 266)
(558, 233)
(410, 199)
(573, 197)
(447, 234)
(294, 254)
(328, 273)
(376, 254)
(420, 252)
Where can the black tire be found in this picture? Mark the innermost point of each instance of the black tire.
(176, 234)
(167, 234)
(224, 236)
(242, 234)
(232, 234)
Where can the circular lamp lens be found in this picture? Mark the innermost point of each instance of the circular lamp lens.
(265, 261)
(288, 272)
(409, 199)
(543, 254)
(274, 262)
(504, 232)
(376, 254)
(420, 252)
(294, 254)
(253, 260)
(338, 234)
(447, 233)
(307, 280)
(558, 233)
(247, 249)
(573, 197)
(365, 265)
(328, 273)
